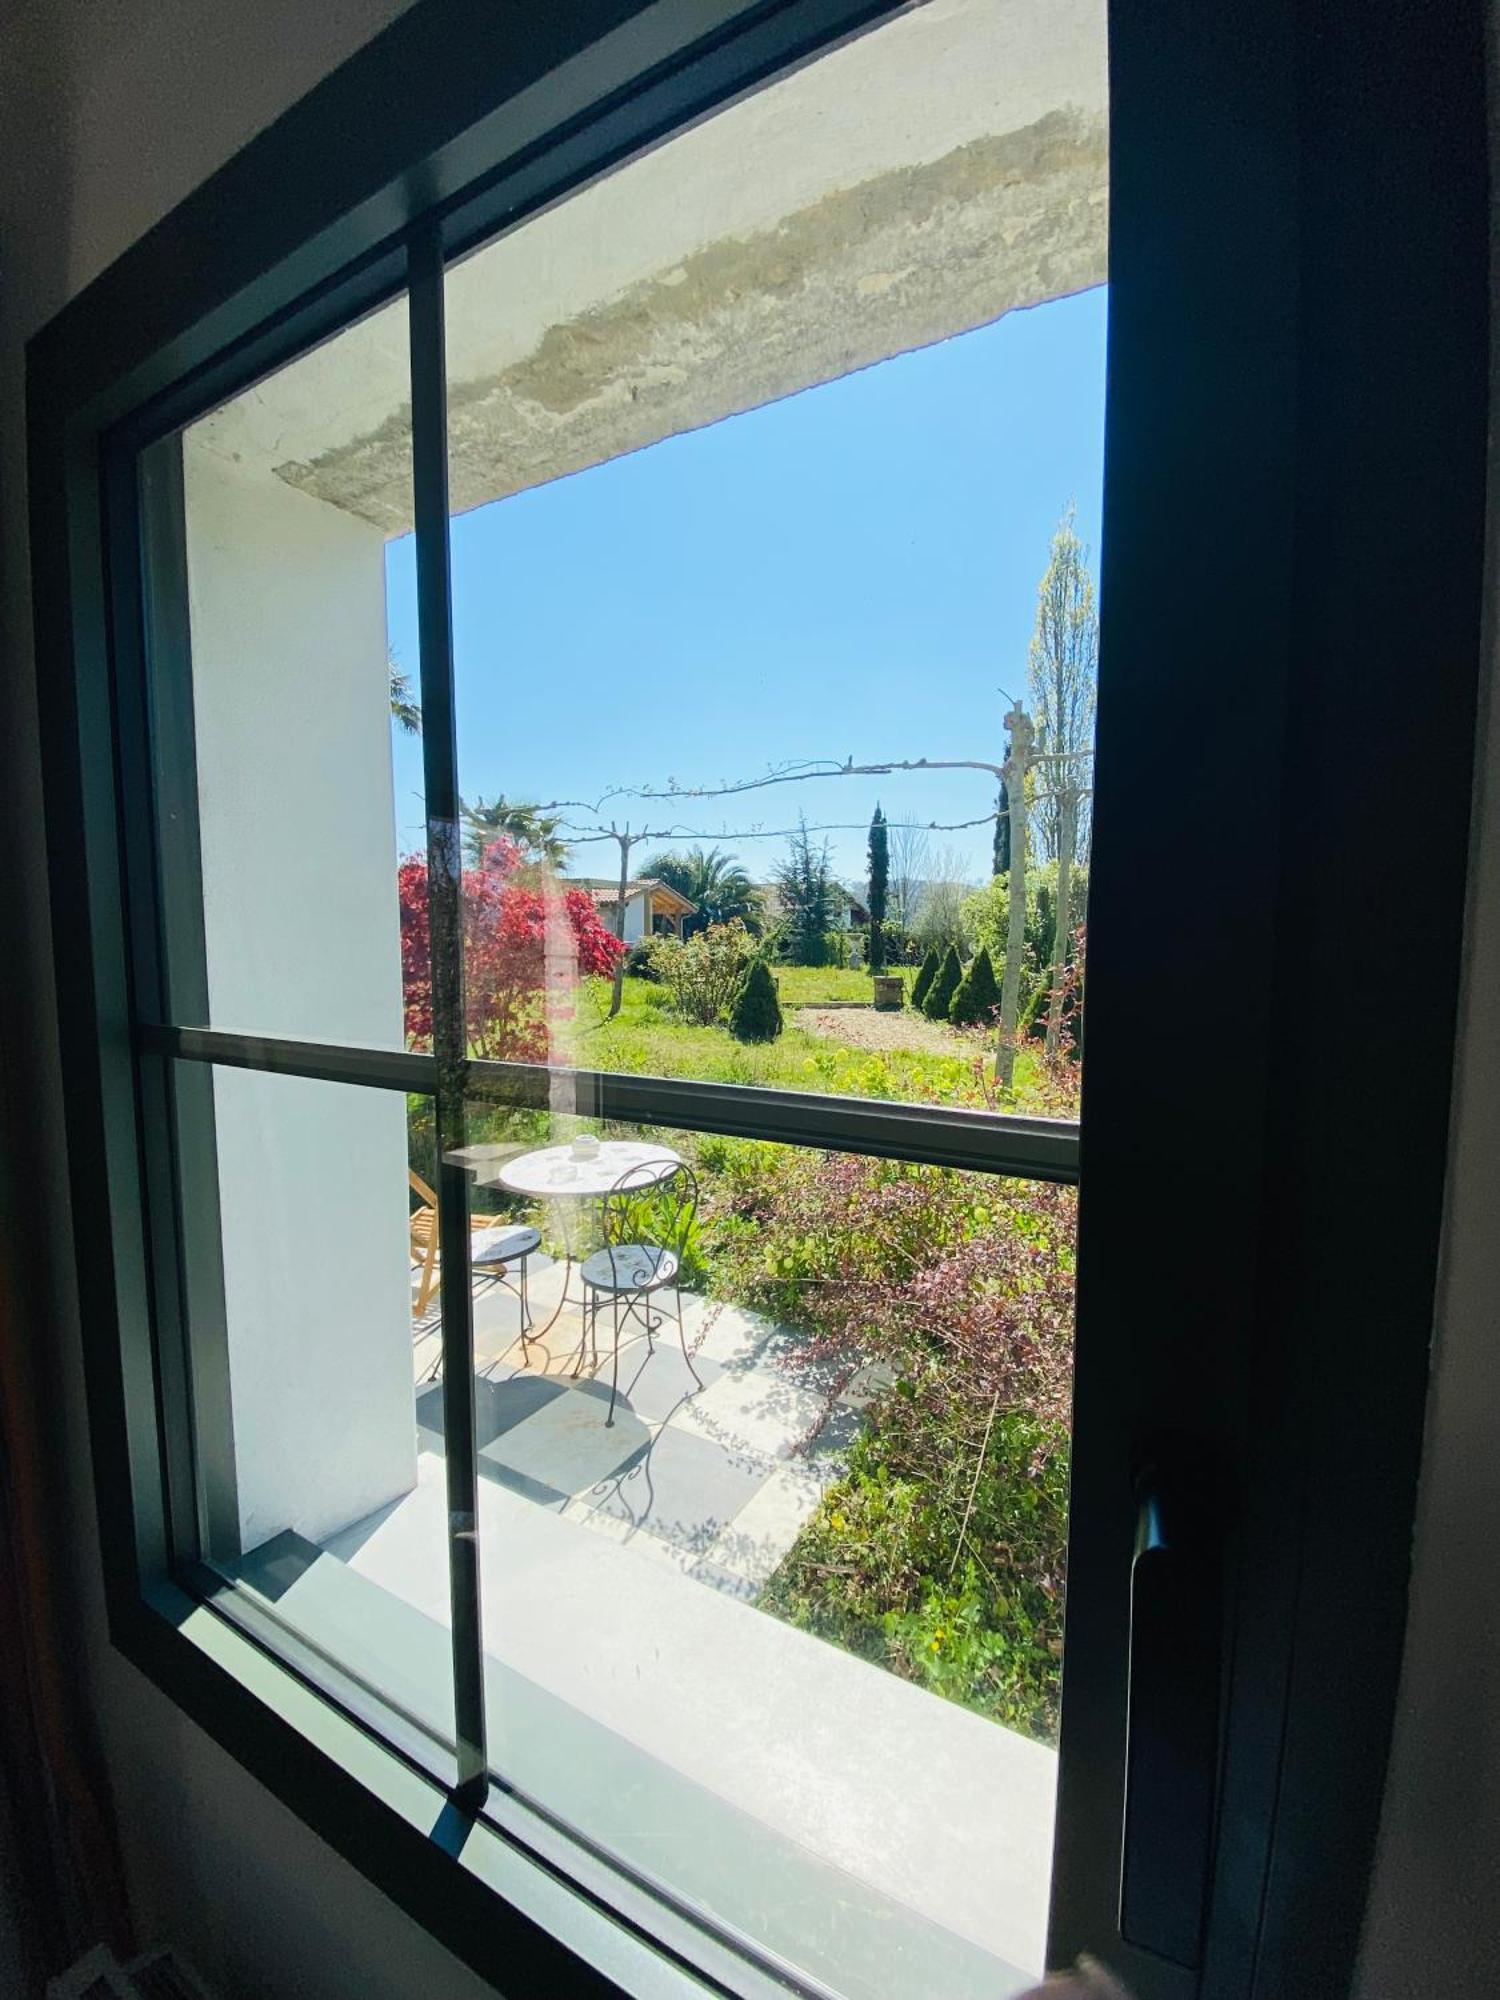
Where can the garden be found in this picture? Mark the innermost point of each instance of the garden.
(939, 1551)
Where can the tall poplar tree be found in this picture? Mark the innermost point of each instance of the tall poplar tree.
(1064, 673)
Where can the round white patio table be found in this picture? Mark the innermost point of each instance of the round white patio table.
(558, 1170)
(555, 1173)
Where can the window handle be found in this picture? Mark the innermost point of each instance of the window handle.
(1172, 1725)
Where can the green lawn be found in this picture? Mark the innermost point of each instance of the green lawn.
(646, 1040)
(818, 985)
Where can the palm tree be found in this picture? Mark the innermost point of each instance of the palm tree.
(405, 712)
(535, 831)
(714, 881)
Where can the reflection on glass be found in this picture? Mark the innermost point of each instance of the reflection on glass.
(307, 1245)
(773, 1448)
(767, 492)
(291, 495)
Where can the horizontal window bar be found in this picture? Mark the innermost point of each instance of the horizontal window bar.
(942, 1135)
(988, 1142)
(327, 1062)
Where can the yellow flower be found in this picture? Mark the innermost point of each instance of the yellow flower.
(839, 1522)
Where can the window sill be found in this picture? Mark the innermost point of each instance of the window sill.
(521, 1904)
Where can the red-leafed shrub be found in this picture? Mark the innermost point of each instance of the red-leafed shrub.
(526, 946)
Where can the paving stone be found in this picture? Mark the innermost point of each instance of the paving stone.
(683, 1489)
(706, 1570)
(761, 1410)
(566, 1444)
(656, 1385)
(753, 1544)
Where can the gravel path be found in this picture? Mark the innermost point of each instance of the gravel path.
(863, 1028)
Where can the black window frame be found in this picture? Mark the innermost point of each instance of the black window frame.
(485, 120)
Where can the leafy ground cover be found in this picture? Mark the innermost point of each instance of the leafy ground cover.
(941, 1553)
(881, 1570)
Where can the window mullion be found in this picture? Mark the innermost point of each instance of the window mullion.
(429, 408)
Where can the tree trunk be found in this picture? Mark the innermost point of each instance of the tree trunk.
(618, 993)
(1067, 824)
(1019, 725)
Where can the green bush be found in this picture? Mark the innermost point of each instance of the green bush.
(816, 949)
(756, 1013)
(897, 947)
(986, 912)
(1070, 1024)
(878, 1569)
(925, 977)
(939, 995)
(978, 997)
(421, 1138)
(706, 973)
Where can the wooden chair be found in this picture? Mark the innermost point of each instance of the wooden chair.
(495, 1243)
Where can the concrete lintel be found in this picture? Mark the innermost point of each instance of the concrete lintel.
(945, 169)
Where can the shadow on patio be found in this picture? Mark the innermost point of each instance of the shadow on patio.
(716, 1481)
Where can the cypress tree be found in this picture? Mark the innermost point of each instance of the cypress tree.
(1042, 929)
(1002, 831)
(756, 1013)
(879, 869)
(925, 976)
(940, 993)
(978, 995)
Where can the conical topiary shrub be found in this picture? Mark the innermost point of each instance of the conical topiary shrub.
(939, 996)
(978, 997)
(756, 1013)
(1034, 1014)
(926, 973)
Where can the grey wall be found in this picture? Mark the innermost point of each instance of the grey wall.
(112, 111)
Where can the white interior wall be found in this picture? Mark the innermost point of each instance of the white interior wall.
(292, 721)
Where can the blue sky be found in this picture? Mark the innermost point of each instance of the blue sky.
(850, 572)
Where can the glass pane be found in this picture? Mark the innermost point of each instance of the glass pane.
(773, 1585)
(777, 513)
(279, 692)
(308, 1254)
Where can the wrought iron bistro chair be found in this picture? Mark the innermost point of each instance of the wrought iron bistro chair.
(494, 1245)
(648, 1222)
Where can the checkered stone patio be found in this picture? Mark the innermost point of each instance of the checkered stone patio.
(716, 1481)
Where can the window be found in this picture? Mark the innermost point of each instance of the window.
(648, 1432)
(751, 1407)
